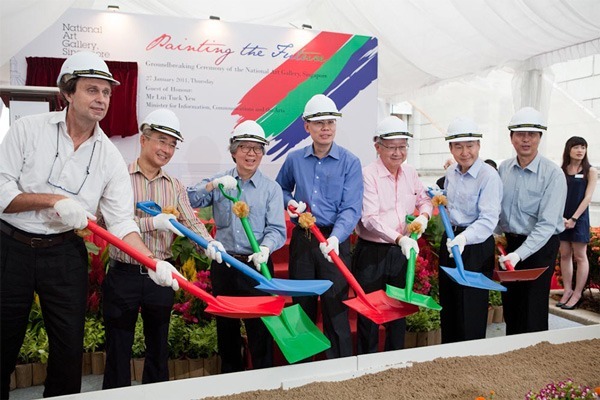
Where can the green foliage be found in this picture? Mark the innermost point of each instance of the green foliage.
(423, 321)
(138, 349)
(177, 335)
(434, 232)
(202, 340)
(495, 298)
(93, 334)
(27, 351)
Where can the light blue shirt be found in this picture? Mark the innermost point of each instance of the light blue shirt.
(533, 202)
(266, 218)
(331, 186)
(474, 200)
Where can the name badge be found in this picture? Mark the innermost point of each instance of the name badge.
(579, 176)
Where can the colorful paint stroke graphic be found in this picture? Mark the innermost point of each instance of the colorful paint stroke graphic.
(345, 65)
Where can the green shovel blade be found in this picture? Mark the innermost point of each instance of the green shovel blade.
(417, 299)
(295, 334)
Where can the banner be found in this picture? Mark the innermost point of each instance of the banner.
(214, 75)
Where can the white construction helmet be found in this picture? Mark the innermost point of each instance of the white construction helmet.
(392, 128)
(320, 107)
(249, 131)
(85, 64)
(462, 130)
(164, 121)
(527, 119)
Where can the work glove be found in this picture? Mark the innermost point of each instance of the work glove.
(162, 222)
(259, 257)
(300, 207)
(72, 213)
(163, 276)
(459, 240)
(333, 243)
(228, 182)
(513, 258)
(423, 221)
(407, 243)
(213, 251)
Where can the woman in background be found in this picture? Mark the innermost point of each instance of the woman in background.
(581, 182)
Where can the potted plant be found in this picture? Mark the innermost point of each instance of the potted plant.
(24, 367)
(93, 340)
(496, 304)
(423, 328)
(138, 350)
(202, 348)
(178, 346)
(39, 357)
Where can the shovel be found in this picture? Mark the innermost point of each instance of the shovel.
(459, 274)
(513, 275)
(224, 306)
(407, 295)
(377, 306)
(294, 332)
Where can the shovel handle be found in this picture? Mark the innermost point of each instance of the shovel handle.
(411, 264)
(507, 264)
(234, 199)
(147, 261)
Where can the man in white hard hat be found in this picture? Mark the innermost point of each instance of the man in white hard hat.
(127, 289)
(535, 191)
(264, 197)
(474, 191)
(57, 170)
(328, 178)
(392, 191)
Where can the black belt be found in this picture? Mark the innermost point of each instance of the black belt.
(515, 235)
(370, 243)
(240, 257)
(35, 240)
(459, 229)
(128, 267)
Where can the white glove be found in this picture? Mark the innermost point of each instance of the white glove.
(228, 182)
(423, 221)
(162, 222)
(213, 251)
(513, 258)
(459, 240)
(407, 243)
(163, 276)
(259, 257)
(435, 190)
(72, 213)
(299, 206)
(333, 243)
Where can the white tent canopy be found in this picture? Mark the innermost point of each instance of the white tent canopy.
(422, 43)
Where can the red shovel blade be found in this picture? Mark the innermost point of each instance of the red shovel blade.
(518, 275)
(380, 308)
(232, 307)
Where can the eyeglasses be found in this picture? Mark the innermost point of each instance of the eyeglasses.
(163, 142)
(69, 175)
(246, 149)
(392, 149)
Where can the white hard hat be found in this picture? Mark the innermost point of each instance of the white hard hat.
(462, 130)
(527, 119)
(393, 128)
(86, 64)
(164, 121)
(249, 131)
(320, 107)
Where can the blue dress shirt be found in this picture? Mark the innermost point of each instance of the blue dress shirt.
(266, 218)
(331, 186)
(533, 201)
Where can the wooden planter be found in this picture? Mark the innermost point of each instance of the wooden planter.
(24, 375)
(212, 365)
(498, 314)
(98, 362)
(196, 367)
(171, 369)
(490, 316)
(39, 373)
(420, 339)
(13, 381)
(86, 364)
(131, 370)
(138, 367)
(182, 368)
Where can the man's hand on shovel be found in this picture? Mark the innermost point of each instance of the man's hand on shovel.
(163, 276)
(260, 257)
(333, 243)
(513, 258)
(295, 208)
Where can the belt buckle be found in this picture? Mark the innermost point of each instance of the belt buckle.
(143, 270)
(36, 242)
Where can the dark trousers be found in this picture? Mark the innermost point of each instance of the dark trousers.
(59, 276)
(464, 309)
(525, 303)
(126, 292)
(228, 281)
(374, 265)
(307, 262)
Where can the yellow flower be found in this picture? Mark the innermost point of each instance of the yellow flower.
(188, 269)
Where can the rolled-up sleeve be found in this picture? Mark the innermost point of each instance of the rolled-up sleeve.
(11, 154)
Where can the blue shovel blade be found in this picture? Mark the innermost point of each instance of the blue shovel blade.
(473, 279)
(286, 287)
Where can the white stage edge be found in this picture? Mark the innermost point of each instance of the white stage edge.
(332, 370)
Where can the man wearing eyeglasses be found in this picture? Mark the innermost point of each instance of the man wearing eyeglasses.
(535, 192)
(264, 197)
(57, 170)
(127, 290)
(328, 178)
(474, 191)
(392, 191)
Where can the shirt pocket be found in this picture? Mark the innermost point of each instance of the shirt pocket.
(530, 202)
(333, 188)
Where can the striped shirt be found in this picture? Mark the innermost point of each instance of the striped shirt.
(165, 191)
